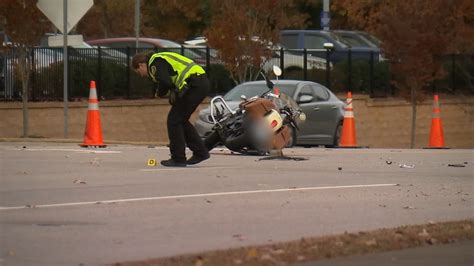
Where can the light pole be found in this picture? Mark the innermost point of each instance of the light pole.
(137, 23)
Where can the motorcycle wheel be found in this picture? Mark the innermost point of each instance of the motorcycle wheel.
(237, 142)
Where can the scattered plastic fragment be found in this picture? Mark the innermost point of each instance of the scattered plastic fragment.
(407, 166)
(78, 181)
(388, 162)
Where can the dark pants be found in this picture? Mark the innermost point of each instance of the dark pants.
(180, 131)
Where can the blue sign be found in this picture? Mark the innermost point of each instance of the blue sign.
(325, 19)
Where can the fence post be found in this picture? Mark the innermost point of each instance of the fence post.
(208, 61)
(349, 70)
(305, 64)
(371, 73)
(453, 71)
(68, 75)
(33, 74)
(128, 72)
(282, 62)
(99, 76)
(328, 70)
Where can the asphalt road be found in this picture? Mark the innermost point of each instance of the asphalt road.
(64, 205)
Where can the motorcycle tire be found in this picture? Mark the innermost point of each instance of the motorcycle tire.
(237, 142)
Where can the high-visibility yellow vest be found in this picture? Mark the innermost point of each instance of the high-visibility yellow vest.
(183, 66)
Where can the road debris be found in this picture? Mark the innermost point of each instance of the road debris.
(283, 157)
(409, 208)
(96, 162)
(424, 233)
(78, 181)
(456, 165)
(238, 237)
(407, 166)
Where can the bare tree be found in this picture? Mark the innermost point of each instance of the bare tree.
(25, 24)
(108, 18)
(244, 30)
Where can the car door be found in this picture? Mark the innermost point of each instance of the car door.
(318, 129)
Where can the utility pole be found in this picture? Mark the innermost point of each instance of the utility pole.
(325, 17)
(137, 23)
(65, 62)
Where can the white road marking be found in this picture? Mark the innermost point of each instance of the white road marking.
(68, 150)
(193, 196)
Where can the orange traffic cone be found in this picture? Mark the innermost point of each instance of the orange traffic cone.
(93, 132)
(436, 132)
(348, 135)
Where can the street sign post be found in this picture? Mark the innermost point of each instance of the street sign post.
(64, 15)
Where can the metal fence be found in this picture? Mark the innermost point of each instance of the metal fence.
(110, 68)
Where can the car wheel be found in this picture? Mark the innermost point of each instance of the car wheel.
(337, 137)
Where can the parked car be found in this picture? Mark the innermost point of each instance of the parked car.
(356, 38)
(315, 40)
(292, 62)
(324, 111)
(147, 43)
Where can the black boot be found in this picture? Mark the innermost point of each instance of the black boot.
(195, 159)
(173, 163)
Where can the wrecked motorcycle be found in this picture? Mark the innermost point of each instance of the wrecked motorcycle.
(258, 125)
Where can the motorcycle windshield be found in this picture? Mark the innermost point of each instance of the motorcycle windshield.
(285, 100)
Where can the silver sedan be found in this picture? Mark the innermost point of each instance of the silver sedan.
(324, 111)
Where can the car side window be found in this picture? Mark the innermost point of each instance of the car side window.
(306, 90)
(314, 41)
(290, 41)
(320, 93)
